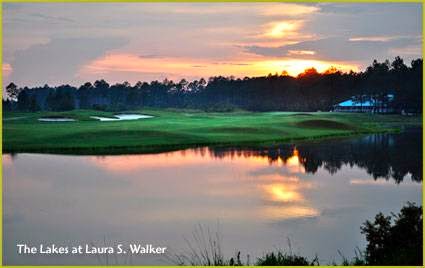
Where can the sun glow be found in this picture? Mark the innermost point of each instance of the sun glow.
(177, 68)
(281, 29)
(294, 160)
(297, 66)
(280, 192)
(284, 188)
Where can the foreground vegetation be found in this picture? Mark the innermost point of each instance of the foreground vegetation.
(177, 129)
(391, 240)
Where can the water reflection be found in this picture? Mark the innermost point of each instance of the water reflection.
(317, 194)
(389, 156)
(283, 193)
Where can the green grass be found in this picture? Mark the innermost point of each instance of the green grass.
(176, 129)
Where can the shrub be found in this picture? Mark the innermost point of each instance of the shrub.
(282, 258)
(395, 239)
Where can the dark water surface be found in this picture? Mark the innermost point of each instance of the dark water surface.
(316, 194)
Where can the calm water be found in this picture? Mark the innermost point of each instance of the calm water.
(315, 194)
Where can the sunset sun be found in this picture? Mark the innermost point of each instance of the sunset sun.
(294, 66)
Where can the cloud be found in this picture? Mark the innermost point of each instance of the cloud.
(6, 72)
(120, 67)
(11, 7)
(58, 61)
(371, 19)
(347, 8)
(262, 9)
(338, 48)
(232, 38)
(132, 63)
(6, 69)
(52, 18)
(289, 9)
(149, 56)
(414, 51)
(373, 38)
(152, 67)
(301, 52)
(232, 63)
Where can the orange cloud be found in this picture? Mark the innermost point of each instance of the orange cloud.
(6, 69)
(301, 52)
(372, 38)
(177, 68)
(288, 9)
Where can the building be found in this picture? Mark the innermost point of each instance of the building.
(367, 104)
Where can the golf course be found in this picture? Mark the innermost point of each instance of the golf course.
(160, 130)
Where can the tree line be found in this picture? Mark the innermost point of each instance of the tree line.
(309, 91)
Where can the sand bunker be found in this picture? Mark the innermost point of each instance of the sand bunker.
(122, 117)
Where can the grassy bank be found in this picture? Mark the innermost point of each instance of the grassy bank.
(178, 129)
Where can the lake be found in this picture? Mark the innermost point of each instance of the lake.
(313, 194)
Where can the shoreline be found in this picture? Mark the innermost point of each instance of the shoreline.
(134, 150)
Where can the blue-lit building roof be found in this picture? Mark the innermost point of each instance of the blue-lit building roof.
(367, 103)
(351, 103)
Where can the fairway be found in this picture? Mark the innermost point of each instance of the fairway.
(171, 129)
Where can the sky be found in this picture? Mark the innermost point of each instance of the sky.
(72, 43)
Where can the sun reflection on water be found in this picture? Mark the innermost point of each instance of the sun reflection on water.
(281, 192)
(285, 191)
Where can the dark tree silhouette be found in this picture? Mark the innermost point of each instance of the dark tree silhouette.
(396, 239)
(12, 91)
(309, 91)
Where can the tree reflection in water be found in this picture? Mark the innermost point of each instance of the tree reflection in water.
(385, 155)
